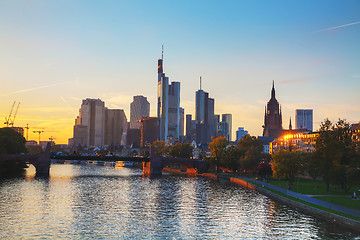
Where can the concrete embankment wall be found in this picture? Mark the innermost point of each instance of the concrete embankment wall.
(329, 217)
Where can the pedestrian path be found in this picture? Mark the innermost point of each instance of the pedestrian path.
(307, 198)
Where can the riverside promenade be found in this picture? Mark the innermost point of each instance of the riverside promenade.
(327, 211)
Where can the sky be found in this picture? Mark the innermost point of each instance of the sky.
(55, 53)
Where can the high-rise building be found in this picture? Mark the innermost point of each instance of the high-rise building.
(190, 129)
(149, 131)
(304, 119)
(115, 126)
(163, 100)
(98, 126)
(92, 115)
(168, 108)
(273, 118)
(204, 116)
(240, 133)
(174, 111)
(140, 107)
(181, 128)
(223, 129)
(228, 118)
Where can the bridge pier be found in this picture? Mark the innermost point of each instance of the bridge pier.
(154, 167)
(43, 162)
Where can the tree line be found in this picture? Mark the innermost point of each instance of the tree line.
(336, 159)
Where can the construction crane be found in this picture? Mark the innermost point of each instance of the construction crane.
(13, 119)
(7, 119)
(39, 132)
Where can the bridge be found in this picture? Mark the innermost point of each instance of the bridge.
(40, 161)
(152, 166)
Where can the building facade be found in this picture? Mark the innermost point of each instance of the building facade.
(240, 133)
(115, 127)
(149, 131)
(304, 119)
(228, 118)
(140, 107)
(273, 117)
(302, 141)
(92, 115)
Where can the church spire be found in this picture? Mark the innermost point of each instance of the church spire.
(273, 90)
(290, 127)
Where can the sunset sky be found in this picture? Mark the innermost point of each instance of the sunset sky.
(55, 53)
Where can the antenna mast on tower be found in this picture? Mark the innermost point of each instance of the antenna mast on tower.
(200, 82)
(162, 52)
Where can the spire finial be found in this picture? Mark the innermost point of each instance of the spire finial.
(200, 82)
(273, 90)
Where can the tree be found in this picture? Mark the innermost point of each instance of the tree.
(287, 165)
(264, 169)
(218, 150)
(160, 148)
(11, 142)
(183, 150)
(232, 158)
(252, 152)
(335, 157)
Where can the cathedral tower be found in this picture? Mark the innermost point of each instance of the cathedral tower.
(273, 118)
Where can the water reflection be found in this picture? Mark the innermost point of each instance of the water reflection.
(89, 201)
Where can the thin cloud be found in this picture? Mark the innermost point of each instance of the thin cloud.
(341, 26)
(34, 88)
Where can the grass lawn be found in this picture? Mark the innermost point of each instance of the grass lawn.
(341, 200)
(310, 187)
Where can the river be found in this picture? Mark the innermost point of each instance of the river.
(104, 202)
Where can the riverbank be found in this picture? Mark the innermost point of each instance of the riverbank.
(332, 216)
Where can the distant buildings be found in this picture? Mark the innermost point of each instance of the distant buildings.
(240, 133)
(273, 118)
(304, 119)
(139, 108)
(97, 125)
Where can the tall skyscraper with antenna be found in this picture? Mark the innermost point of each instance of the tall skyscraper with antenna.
(168, 105)
(204, 116)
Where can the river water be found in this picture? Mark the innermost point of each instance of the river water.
(104, 202)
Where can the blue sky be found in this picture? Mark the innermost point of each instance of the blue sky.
(55, 53)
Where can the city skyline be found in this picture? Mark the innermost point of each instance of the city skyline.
(54, 54)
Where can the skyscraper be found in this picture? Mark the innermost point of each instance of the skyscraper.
(304, 119)
(115, 126)
(182, 125)
(168, 106)
(228, 118)
(92, 115)
(273, 118)
(174, 111)
(204, 116)
(140, 107)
